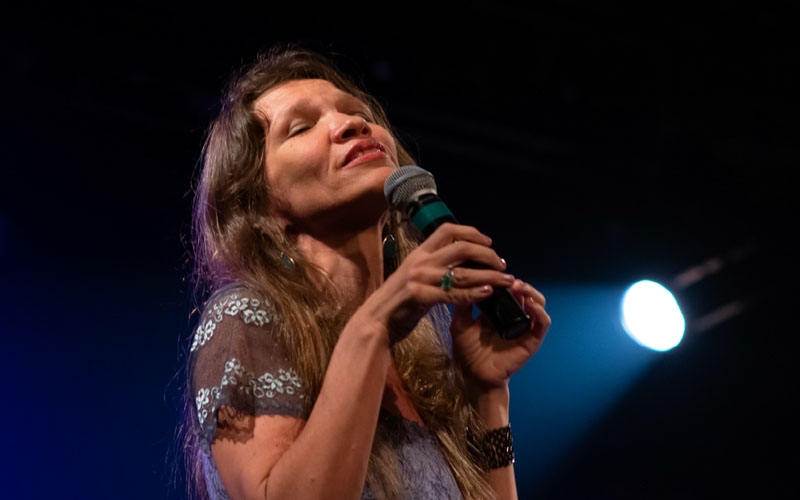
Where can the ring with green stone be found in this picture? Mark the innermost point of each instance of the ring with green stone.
(446, 283)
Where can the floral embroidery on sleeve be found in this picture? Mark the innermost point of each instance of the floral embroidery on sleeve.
(249, 309)
(267, 385)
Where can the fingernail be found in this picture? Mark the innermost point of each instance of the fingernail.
(508, 277)
(503, 262)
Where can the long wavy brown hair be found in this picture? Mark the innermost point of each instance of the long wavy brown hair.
(236, 240)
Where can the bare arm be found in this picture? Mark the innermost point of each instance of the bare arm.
(327, 456)
(488, 362)
(493, 407)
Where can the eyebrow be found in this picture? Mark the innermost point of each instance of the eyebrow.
(306, 103)
(343, 99)
(297, 107)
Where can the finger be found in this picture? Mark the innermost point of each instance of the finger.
(466, 296)
(433, 284)
(522, 290)
(467, 277)
(540, 319)
(536, 295)
(460, 277)
(537, 313)
(449, 233)
(468, 253)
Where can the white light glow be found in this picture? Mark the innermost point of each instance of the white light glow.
(651, 316)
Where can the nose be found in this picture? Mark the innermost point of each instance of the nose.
(351, 126)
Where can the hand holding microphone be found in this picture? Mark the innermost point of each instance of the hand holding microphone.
(412, 190)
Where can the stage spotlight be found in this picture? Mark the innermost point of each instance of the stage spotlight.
(651, 316)
(657, 316)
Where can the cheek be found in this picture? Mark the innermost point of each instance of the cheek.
(290, 165)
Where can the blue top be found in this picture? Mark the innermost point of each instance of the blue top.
(238, 362)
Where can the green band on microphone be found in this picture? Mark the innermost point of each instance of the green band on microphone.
(429, 213)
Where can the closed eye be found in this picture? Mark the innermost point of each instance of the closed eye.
(297, 128)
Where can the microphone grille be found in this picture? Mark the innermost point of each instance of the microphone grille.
(402, 184)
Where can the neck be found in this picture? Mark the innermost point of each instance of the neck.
(353, 261)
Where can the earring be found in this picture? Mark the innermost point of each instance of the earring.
(389, 255)
(287, 261)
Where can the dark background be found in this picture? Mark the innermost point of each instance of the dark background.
(595, 143)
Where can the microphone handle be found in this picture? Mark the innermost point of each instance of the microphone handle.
(508, 317)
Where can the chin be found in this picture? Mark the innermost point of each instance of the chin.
(377, 175)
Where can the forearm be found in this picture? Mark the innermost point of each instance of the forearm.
(332, 452)
(492, 406)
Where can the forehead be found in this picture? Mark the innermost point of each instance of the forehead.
(290, 95)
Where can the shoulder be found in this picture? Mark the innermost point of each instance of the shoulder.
(233, 303)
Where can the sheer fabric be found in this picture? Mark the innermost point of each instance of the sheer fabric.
(237, 362)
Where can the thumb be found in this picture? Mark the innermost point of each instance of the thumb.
(462, 317)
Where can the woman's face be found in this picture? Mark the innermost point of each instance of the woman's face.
(326, 160)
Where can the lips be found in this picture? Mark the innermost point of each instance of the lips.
(364, 150)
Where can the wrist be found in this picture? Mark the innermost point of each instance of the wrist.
(491, 404)
(493, 449)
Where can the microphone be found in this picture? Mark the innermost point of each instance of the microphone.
(412, 190)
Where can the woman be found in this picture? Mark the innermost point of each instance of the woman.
(312, 372)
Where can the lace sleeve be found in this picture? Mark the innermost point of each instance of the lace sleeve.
(238, 362)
